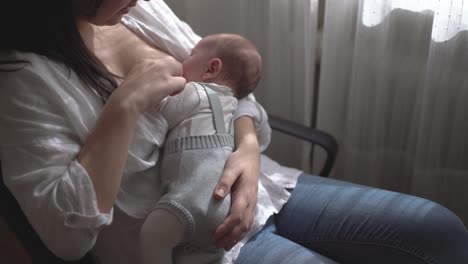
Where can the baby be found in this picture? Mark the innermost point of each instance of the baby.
(221, 69)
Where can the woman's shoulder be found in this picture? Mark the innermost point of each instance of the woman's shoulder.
(32, 73)
(40, 90)
(38, 80)
(20, 63)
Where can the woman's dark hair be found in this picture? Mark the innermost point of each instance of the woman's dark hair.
(49, 28)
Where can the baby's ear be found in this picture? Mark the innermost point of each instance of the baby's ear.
(214, 68)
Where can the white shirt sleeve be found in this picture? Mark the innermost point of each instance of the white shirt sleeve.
(38, 153)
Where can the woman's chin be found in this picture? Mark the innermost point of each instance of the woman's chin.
(108, 22)
(114, 21)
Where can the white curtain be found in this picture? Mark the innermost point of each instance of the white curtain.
(285, 34)
(394, 91)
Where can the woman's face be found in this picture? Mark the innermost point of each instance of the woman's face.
(110, 12)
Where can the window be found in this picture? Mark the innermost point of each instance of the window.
(450, 16)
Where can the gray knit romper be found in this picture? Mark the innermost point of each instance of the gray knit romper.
(190, 169)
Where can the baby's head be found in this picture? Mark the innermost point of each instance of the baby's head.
(225, 59)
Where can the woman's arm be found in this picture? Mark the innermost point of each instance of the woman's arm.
(65, 185)
(39, 141)
(240, 177)
(105, 151)
(248, 106)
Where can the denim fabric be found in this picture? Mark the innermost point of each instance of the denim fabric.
(267, 247)
(351, 223)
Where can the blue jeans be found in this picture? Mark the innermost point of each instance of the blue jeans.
(350, 223)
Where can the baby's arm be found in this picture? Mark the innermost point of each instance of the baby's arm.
(176, 109)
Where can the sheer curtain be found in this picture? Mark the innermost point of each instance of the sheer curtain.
(285, 34)
(394, 91)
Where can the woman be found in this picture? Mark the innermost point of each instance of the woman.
(77, 90)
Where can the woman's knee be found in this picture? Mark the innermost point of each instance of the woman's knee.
(439, 234)
(322, 210)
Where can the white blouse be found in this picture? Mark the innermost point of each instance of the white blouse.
(46, 113)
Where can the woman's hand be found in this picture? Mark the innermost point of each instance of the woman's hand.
(149, 82)
(240, 177)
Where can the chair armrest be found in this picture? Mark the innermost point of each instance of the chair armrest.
(25, 233)
(11, 249)
(312, 135)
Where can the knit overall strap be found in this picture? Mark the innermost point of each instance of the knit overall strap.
(217, 110)
(217, 140)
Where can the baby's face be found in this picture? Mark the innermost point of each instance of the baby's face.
(196, 65)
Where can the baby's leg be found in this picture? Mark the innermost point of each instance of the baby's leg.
(160, 233)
